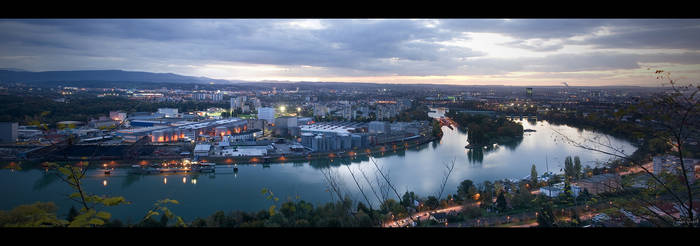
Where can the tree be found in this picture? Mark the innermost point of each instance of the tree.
(72, 213)
(464, 189)
(437, 129)
(408, 198)
(533, 175)
(33, 215)
(568, 168)
(160, 206)
(448, 172)
(567, 196)
(673, 116)
(164, 221)
(89, 216)
(577, 168)
(545, 216)
(501, 203)
(522, 198)
(432, 202)
(486, 194)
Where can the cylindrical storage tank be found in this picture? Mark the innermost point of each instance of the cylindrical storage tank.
(307, 139)
(346, 141)
(356, 141)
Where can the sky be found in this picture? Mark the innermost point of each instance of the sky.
(536, 52)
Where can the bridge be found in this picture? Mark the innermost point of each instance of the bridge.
(521, 117)
(445, 121)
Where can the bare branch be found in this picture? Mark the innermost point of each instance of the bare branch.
(358, 186)
(447, 176)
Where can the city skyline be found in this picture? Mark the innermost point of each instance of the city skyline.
(519, 52)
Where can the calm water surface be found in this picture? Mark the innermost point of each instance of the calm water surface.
(419, 169)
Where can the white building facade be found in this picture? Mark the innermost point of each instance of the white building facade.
(267, 114)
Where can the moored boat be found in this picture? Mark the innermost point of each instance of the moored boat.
(204, 167)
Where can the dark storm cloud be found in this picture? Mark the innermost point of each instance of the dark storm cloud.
(344, 47)
(575, 63)
(685, 37)
(345, 43)
(527, 28)
(635, 33)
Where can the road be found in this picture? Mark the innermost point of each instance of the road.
(424, 215)
(490, 221)
(637, 169)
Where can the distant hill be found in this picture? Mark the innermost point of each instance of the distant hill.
(13, 75)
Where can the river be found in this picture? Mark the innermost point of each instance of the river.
(419, 169)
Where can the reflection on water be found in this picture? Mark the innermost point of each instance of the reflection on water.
(419, 169)
(129, 180)
(45, 180)
(475, 155)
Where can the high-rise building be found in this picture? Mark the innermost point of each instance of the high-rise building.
(386, 111)
(217, 97)
(240, 102)
(320, 110)
(255, 103)
(528, 92)
(672, 164)
(199, 96)
(347, 113)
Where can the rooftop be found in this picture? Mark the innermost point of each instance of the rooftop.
(202, 147)
(600, 178)
(332, 127)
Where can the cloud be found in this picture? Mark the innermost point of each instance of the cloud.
(666, 38)
(527, 28)
(340, 47)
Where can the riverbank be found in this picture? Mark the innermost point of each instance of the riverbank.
(119, 161)
(409, 169)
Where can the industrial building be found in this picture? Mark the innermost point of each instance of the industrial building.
(178, 131)
(167, 112)
(103, 122)
(243, 136)
(117, 115)
(245, 151)
(286, 126)
(133, 135)
(8, 132)
(332, 136)
(379, 127)
(257, 124)
(267, 114)
(148, 123)
(202, 150)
